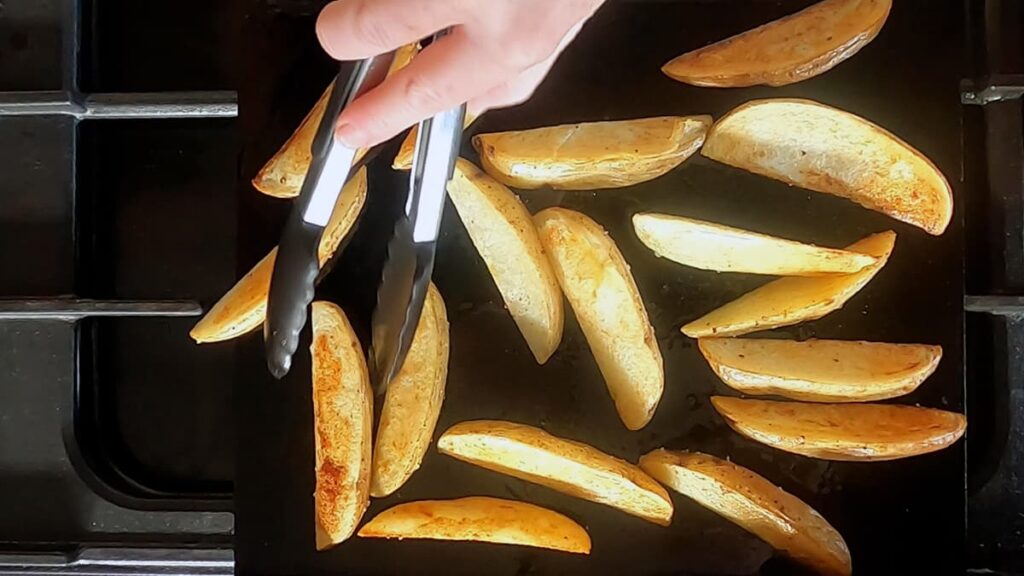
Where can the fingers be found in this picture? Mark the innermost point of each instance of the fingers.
(522, 87)
(354, 29)
(510, 93)
(446, 74)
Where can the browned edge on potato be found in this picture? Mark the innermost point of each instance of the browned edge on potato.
(481, 519)
(755, 504)
(787, 50)
(793, 299)
(570, 467)
(821, 148)
(820, 370)
(342, 426)
(243, 308)
(596, 280)
(853, 432)
(412, 403)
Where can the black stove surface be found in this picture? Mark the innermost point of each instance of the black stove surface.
(125, 207)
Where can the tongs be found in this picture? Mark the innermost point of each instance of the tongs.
(410, 259)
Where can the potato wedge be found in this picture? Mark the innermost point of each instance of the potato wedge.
(795, 299)
(342, 425)
(283, 174)
(480, 519)
(788, 50)
(413, 401)
(244, 307)
(601, 290)
(710, 246)
(755, 504)
(821, 370)
(569, 467)
(503, 232)
(591, 155)
(403, 159)
(855, 432)
(807, 144)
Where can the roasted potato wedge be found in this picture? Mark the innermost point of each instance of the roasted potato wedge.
(343, 423)
(821, 370)
(855, 432)
(413, 401)
(503, 232)
(403, 159)
(795, 299)
(480, 519)
(721, 248)
(788, 50)
(820, 148)
(754, 503)
(244, 307)
(591, 155)
(601, 290)
(283, 174)
(569, 467)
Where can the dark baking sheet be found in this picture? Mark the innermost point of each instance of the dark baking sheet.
(898, 517)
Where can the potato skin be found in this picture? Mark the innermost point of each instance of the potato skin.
(817, 147)
(413, 401)
(755, 504)
(283, 174)
(787, 50)
(567, 466)
(846, 432)
(820, 370)
(503, 233)
(794, 299)
(403, 158)
(342, 426)
(243, 308)
(481, 519)
(711, 246)
(596, 279)
(591, 155)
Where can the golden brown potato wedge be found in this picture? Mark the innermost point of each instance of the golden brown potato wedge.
(788, 50)
(857, 432)
(820, 148)
(754, 503)
(795, 299)
(711, 246)
(403, 159)
(821, 370)
(503, 233)
(480, 519)
(342, 425)
(413, 401)
(591, 155)
(597, 281)
(569, 467)
(244, 307)
(283, 174)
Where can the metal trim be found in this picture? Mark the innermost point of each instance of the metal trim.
(75, 309)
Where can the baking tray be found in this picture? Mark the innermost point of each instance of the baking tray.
(905, 516)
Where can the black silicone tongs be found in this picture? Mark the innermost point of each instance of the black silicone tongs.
(297, 266)
(410, 260)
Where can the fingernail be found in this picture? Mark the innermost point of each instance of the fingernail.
(350, 135)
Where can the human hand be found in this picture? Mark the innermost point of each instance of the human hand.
(496, 55)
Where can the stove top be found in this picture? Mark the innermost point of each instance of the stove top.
(123, 155)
